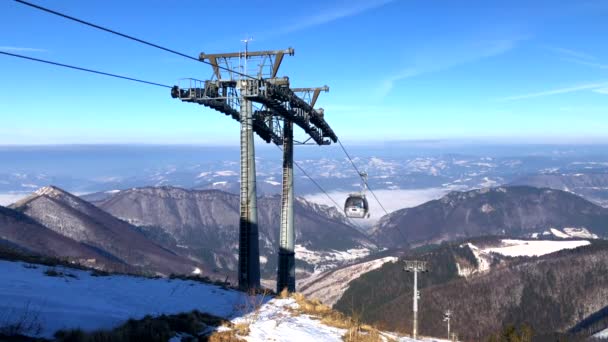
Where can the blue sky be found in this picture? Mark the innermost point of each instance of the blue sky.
(509, 71)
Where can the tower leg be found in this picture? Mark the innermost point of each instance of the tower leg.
(249, 250)
(286, 277)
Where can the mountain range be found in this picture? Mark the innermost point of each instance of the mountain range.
(550, 293)
(203, 224)
(510, 211)
(59, 212)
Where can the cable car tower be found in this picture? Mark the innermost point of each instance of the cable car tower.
(265, 104)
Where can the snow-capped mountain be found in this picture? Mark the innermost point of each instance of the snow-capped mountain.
(28, 236)
(83, 222)
(203, 224)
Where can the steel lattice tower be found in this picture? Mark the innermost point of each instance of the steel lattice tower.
(262, 103)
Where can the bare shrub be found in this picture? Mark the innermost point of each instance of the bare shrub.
(22, 322)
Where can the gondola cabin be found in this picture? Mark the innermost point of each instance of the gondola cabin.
(356, 206)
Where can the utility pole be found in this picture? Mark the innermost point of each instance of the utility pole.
(446, 318)
(415, 266)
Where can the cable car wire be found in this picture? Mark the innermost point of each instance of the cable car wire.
(129, 37)
(368, 187)
(357, 226)
(362, 178)
(83, 69)
(166, 86)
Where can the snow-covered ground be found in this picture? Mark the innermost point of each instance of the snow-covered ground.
(329, 286)
(275, 322)
(80, 300)
(516, 248)
(326, 260)
(602, 334)
(89, 302)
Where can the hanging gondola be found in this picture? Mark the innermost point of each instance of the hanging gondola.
(356, 205)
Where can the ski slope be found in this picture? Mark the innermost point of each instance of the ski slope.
(81, 300)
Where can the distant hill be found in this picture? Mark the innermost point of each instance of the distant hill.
(78, 220)
(512, 211)
(20, 232)
(592, 186)
(204, 225)
(551, 293)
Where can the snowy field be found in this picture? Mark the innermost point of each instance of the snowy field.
(89, 302)
(80, 300)
(516, 248)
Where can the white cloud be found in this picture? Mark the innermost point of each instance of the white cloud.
(601, 90)
(581, 87)
(355, 8)
(446, 56)
(591, 64)
(10, 198)
(20, 49)
(578, 57)
(571, 53)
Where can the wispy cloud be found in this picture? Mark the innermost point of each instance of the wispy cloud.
(21, 49)
(591, 64)
(571, 53)
(599, 87)
(601, 90)
(578, 57)
(353, 8)
(447, 56)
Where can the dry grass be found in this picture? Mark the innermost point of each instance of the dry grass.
(224, 336)
(355, 330)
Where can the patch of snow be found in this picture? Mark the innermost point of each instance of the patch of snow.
(220, 183)
(516, 248)
(486, 208)
(324, 260)
(602, 334)
(559, 233)
(483, 258)
(275, 322)
(583, 233)
(329, 286)
(271, 182)
(225, 173)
